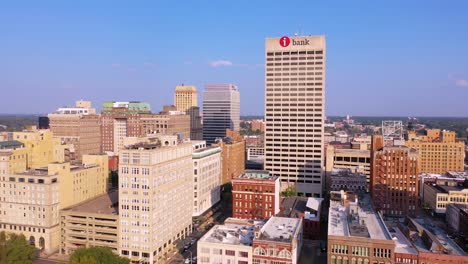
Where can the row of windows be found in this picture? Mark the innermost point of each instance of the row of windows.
(295, 58)
(269, 54)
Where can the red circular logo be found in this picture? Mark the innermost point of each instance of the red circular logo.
(284, 41)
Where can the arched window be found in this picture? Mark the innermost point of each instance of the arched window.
(359, 261)
(345, 260)
(285, 254)
(333, 260)
(338, 260)
(366, 261)
(353, 261)
(259, 251)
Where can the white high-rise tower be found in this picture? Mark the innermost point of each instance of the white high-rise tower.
(295, 111)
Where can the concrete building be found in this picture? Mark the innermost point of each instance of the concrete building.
(255, 153)
(356, 233)
(155, 197)
(394, 179)
(233, 155)
(294, 111)
(119, 120)
(196, 127)
(439, 151)
(185, 97)
(308, 209)
(228, 243)
(206, 176)
(34, 211)
(94, 222)
(348, 180)
(457, 218)
(79, 126)
(255, 195)
(278, 241)
(348, 159)
(221, 111)
(439, 196)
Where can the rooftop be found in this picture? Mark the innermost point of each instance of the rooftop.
(258, 175)
(294, 206)
(402, 244)
(445, 189)
(349, 216)
(281, 229)
(11, 144)
(233, 232)
(435, 239)
(104, 204)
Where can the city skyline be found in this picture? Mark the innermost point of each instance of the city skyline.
(412, 57)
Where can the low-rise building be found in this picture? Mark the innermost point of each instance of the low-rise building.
(91, 223)
(228, 243)
(346, 179)
(437, 197)
(348, 159)
(255, 195)
(206, 176)
(308, 209)
(457, 218)
(278, 241)
(356, 233)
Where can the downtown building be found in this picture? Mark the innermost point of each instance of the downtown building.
(155, 197)
(255, 195)
(294, 111)
(186, 100)
(80, 126)
(206, 176)
(232, 155)
(221, 111)
(394, 178)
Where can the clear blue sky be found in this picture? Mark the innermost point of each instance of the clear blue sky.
(407, 58)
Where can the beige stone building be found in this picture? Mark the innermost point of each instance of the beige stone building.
(155, 197)
(94, 222)
(206, 176)
(185, 97)
(294, 111)
(354, 159)
(30, 200)
(438, 196)
(439, 151)
(170, 124)
(79, 126)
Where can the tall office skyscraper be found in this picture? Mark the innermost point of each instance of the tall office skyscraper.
(294, 111)
(185, 97)
(221, 110)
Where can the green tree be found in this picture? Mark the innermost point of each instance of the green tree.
(289, 192)
(96, 255)
(15, 249)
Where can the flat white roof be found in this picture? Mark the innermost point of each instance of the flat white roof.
(278, 228)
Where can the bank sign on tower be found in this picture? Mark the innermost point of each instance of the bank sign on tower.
(285, 41)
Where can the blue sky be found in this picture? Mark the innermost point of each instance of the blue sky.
(406, 58)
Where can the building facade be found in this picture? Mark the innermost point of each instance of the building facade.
(439, 151)
(206, 176)
(348, 159)
(438, 197)
(308, 209)
(346, 179)
(394, 179)
(92, 223)
(34, 211)
(78, 126)
(185, 97)
(196, 127)
(255, 195)
(221, 111)
(155, 197)
(294, 111)
(233, 155)
(278, 241)
(119, 120)
(457, 218)
(228, 243)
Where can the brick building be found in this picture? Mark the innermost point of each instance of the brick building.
(233, 155)
(306, 208)
(255, 195)
(394, 178)
(278, 241)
